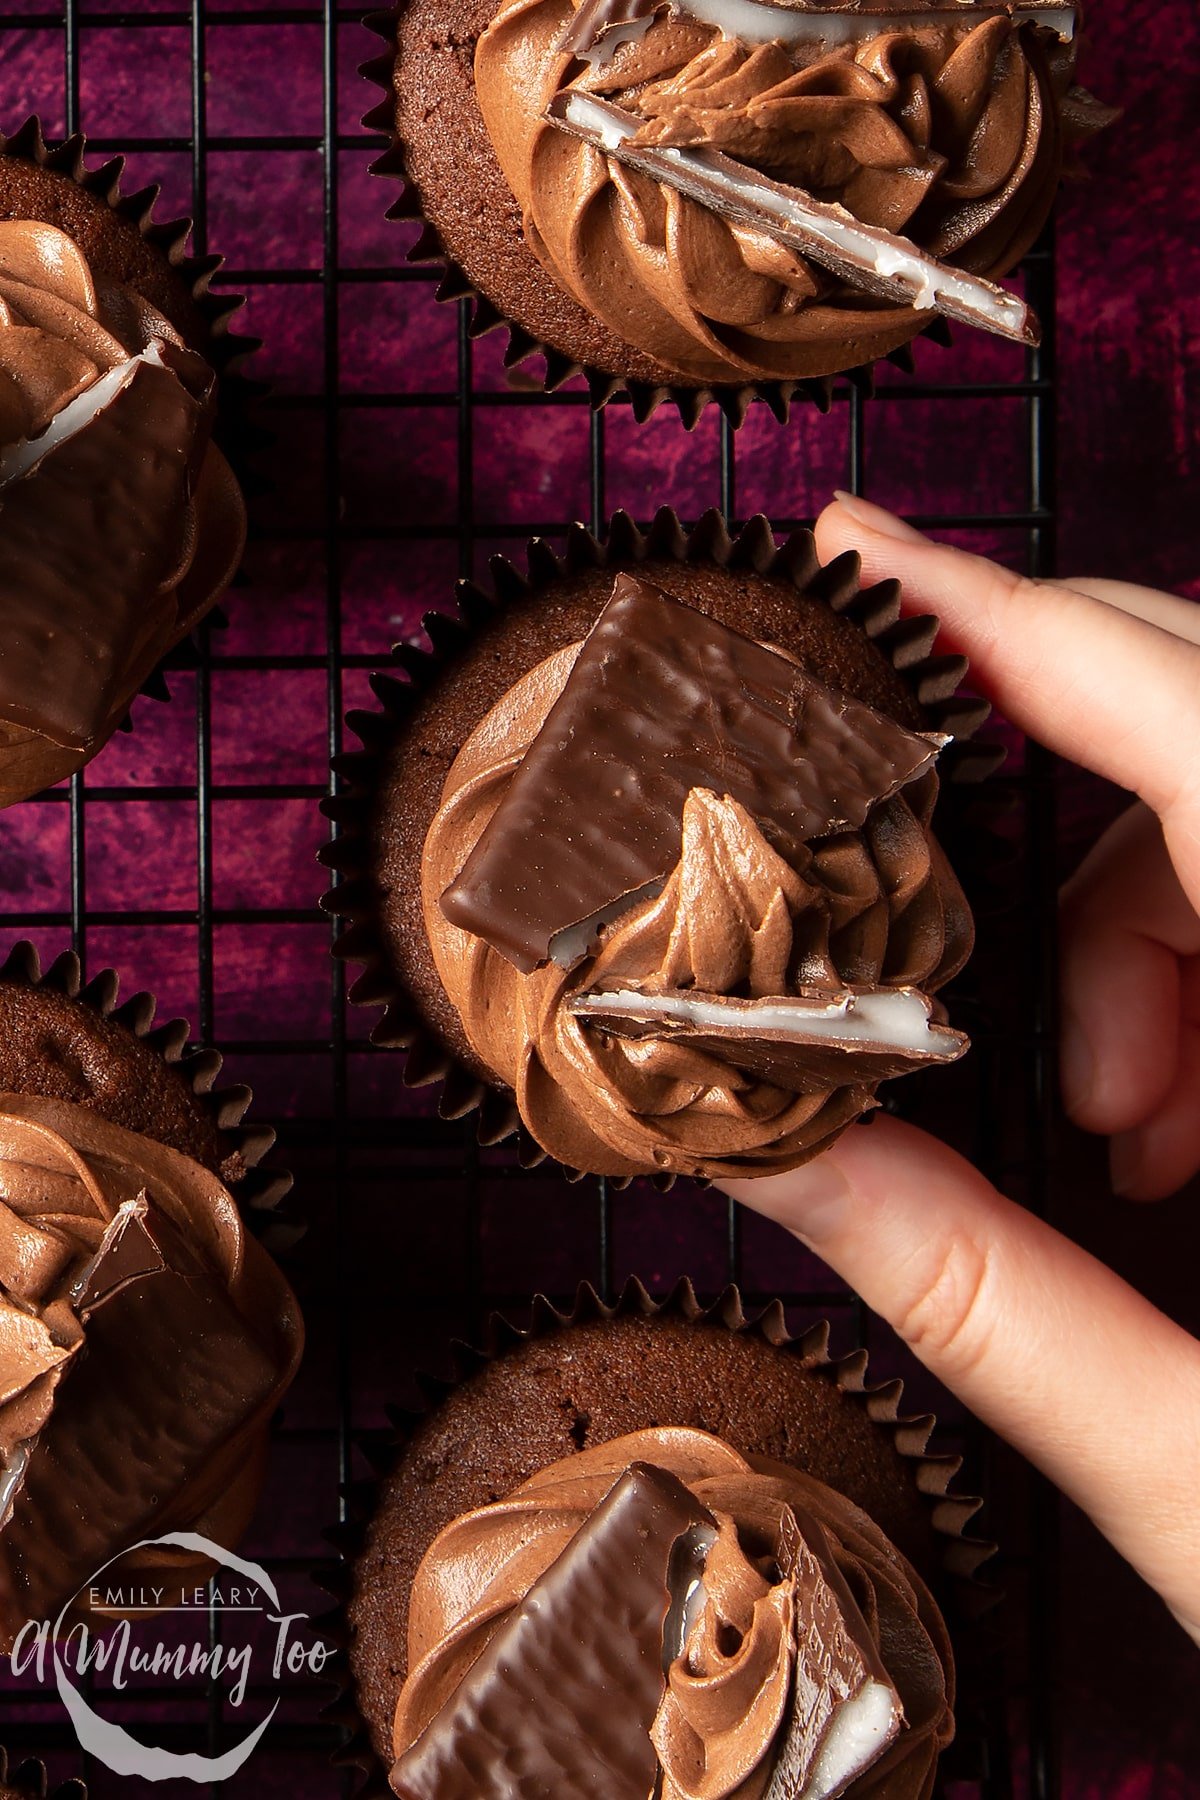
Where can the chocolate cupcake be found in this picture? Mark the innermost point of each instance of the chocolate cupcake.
(654, 1549)
(715, 197)
(67, 1040)
(642, 854)
(121, 522)
(147, 1339)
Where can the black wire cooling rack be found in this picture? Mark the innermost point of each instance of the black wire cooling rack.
(414, 1233)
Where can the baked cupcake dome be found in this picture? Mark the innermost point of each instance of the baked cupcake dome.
(579, 1383)
(400, 805)
(944, 132)
(81, 1042)
(122, 522)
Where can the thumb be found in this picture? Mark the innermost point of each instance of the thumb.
(1048, 1346)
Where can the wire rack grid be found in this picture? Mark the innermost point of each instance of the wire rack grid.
(403, 454)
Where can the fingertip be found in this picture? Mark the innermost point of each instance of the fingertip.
(868, 515)
(1143, 1180)
(1126, 1168)
(834, 531)
(1106, 1088)
(1120, 1023)
(1077, 1072)
(1143, 1168)
(1158, 1157)
(876, 1167)
(849, 523)
(1121, 1097)
(810, 1201)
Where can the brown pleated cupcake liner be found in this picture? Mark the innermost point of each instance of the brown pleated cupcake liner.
(933, 680)
(237, 431)
(257, 1190)
(732, 400)
(28, 1778)
(962, 1556)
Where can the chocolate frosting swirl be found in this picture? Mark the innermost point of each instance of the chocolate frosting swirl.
(105, 1425)
(734, 1683)
(120, 521)
(874, 907)
(948, 133)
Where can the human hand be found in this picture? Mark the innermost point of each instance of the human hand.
(1060, 1356)
(1107, 674)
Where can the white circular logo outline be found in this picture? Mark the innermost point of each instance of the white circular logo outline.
(118, 1749)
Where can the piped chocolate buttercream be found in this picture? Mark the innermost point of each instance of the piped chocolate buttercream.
(562, 1699)
(662, 700)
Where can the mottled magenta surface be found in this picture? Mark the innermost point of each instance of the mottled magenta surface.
(403, 1249)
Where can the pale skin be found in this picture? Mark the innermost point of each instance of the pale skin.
(1058, 1354)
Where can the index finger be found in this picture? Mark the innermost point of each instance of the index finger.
(1090, 680)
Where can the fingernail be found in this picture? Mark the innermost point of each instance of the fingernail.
(1077, 1066)
(877, 518)
(1125, 1163)
(811, 1201)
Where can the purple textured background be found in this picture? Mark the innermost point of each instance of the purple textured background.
(403, 1233)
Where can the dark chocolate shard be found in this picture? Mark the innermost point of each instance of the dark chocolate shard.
(843, 1710)
(876, 261)
(168, 1372)
(803, 1042)
(599, 27)
(661, 700)
(90, 537)
(127, 1253)
(562, 1699)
